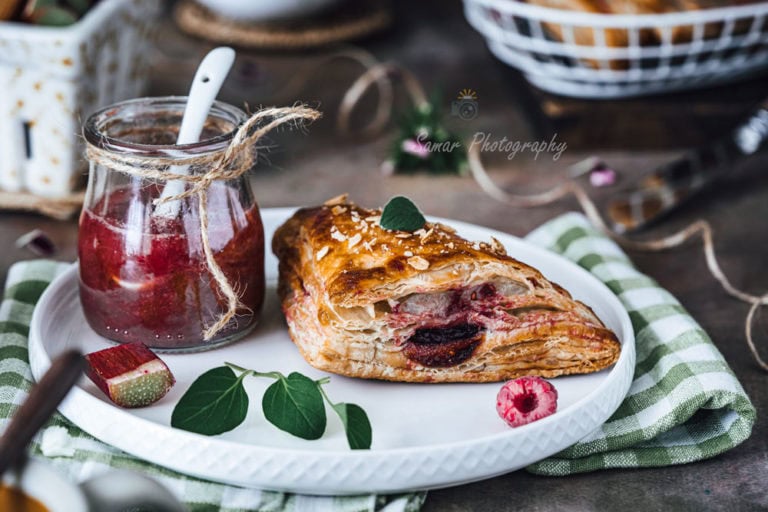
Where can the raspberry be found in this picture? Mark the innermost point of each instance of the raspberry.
(526, 399)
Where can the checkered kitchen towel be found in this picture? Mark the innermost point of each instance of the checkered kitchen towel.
(684, 404)
(81, 456)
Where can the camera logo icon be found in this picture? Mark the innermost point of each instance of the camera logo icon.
(465, 107)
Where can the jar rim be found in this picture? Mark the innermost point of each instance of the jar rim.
(95, 135)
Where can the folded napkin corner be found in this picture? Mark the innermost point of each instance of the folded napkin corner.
(685, 404)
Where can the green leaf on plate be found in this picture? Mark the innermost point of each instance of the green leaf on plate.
(400, 214)
(356, 425)
(215, 403)
(294, 404)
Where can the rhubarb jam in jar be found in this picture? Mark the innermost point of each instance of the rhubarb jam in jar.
(150, 270)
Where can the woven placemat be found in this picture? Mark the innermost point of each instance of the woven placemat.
(353, 19)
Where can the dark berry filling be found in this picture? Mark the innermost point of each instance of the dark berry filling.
(443, 346)
(439, 335)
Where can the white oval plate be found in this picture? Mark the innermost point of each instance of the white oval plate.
(424, 435)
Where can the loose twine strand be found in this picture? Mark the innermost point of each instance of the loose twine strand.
(387, 71)
(380, 74)
(235, 161)
(367, 61)
(376, 74)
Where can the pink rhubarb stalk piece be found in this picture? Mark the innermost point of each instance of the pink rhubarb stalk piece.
(526, 399)
(131, 375)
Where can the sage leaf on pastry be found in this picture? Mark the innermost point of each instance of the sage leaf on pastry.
(400, 214)
(215, 403)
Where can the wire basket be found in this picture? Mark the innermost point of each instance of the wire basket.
(592, 55)
(53, 77)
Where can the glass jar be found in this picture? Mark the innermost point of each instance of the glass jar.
(144, 275)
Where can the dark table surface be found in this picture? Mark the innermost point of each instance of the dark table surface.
(432, 39)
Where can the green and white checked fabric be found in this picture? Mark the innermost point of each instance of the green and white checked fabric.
(88, 457)
(685, 404)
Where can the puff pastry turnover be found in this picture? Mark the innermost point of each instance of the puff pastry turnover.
(426, 306)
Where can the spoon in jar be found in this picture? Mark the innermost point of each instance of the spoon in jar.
(205, 87)
(42, 402)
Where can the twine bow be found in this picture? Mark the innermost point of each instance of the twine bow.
(235, 161)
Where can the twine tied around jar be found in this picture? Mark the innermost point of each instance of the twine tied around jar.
(235, 161)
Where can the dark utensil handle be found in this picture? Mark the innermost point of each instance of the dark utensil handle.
(640, 207)
(43, 399)
(672, 184)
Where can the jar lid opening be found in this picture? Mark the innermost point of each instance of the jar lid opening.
(149, 127)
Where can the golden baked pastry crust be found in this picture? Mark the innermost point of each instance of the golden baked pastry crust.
(367, 302)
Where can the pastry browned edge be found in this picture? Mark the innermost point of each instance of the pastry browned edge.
(426, 306)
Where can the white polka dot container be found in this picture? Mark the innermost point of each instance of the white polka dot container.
(52, 78)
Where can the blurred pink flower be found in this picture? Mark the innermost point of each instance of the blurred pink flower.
(415, 148)
(602, 177)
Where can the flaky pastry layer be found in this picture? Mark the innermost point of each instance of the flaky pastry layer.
(427, 306)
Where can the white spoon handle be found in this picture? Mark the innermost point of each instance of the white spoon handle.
(208, 80)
